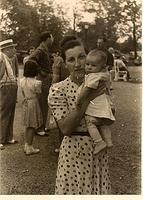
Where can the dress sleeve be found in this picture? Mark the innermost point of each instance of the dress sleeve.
(38, 85)
(57, 101)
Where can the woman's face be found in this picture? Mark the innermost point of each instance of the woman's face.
(75, 61)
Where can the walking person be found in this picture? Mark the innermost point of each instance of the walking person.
(32, 116)
(8, 92)
(42, 57)
(79, 170)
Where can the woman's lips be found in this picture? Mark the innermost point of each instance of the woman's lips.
(80, 70)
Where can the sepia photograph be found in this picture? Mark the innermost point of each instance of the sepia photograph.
(70, 99)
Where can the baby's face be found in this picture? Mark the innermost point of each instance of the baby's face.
(93, 64)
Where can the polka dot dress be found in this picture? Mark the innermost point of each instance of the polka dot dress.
(79, 170)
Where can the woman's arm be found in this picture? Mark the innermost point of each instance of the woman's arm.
(72, 120)
(84, 96)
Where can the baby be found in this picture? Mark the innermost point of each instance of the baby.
(99, 113)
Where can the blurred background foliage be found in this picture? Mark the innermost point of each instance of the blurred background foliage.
(24, 20)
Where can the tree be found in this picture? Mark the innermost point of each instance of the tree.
(51, 21)
(21, 22)
(117, 18)
(24, 20)
(107, 16)
(131, 20)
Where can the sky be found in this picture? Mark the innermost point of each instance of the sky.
(69, 5)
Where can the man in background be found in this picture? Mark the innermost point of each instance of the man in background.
(42, 56)
(102, 45)
(8, 92)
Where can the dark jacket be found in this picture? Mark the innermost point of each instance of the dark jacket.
(41, 56)
(110, 60)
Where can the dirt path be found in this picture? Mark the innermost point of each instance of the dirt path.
(36, 174)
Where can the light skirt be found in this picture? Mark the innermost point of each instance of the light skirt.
(32, 116)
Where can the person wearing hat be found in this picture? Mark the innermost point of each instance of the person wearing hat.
(8, 92)
(42, 56)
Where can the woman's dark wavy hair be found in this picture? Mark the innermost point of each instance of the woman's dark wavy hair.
(68, 42)
(31, 69)
(44, 36)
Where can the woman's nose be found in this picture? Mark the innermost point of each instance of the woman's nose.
(77, 62)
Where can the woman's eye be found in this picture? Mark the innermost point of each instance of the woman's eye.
(70, 60)
(82, 56)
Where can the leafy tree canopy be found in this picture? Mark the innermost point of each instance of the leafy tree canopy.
(24, 21)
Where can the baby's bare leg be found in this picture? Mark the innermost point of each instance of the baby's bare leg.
(95, 134)
(106, 135)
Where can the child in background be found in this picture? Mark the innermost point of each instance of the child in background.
(99, 113)
(32, 116)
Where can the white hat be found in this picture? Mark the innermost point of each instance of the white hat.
(7, 43)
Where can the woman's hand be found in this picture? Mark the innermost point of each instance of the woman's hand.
(99, 91)
(69, 124)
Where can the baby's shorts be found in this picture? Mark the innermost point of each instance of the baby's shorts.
(98, 121)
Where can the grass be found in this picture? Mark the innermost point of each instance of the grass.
(36, 174)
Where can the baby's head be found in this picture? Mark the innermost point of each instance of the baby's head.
(30, 69)
(95, 61)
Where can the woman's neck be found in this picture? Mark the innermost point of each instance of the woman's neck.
(77, 78)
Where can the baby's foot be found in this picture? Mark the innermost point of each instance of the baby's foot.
(109, 144)
(99, 146)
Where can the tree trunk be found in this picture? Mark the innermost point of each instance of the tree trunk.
(134, 40)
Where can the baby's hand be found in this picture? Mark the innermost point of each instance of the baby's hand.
(104, 77)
